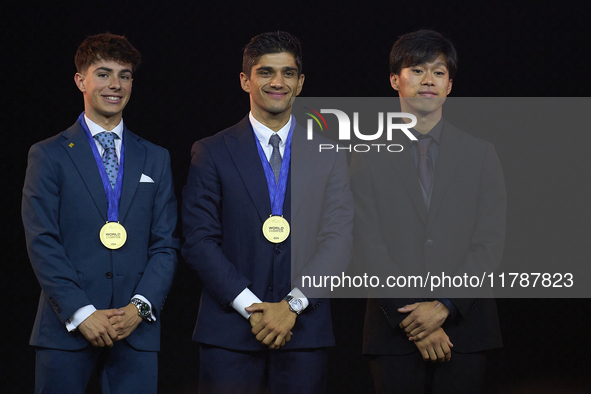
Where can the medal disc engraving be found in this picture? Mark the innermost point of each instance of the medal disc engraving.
(113, 235)
(276, 229)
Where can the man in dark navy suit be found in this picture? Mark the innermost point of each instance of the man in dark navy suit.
(258, 332)
(437, 206)
(99, 213)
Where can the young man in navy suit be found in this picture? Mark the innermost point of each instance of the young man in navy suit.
(437, 206)
(99, 213)
(258, 332)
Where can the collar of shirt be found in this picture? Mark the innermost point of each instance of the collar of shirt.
(95, 129)
(263, 134)
(434, 133)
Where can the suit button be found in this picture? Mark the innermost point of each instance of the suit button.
(277, 251)
(271, 288)
(58, 310)
(429, 242)
(109, 275)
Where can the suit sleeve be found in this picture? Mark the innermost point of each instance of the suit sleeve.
(488, 237)
(202, 228)
(40, 213)
(163, 244)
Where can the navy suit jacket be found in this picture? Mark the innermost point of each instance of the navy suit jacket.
(225, 203)
(64, 206)
(462, 232)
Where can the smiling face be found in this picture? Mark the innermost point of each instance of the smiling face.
(273, 83)
(106, 85)
(423, 88)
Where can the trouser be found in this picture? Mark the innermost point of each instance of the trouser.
(409, 373)
(301, 371)
(122, 370)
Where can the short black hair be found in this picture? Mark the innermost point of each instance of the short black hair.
(273, 42)
(106, 46)
(420, 47)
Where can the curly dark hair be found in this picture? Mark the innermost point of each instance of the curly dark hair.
(106, 46)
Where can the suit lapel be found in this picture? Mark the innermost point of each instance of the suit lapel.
(242, 147)
(304, 159)
(135, 157)
(405, 168)
(449, 153)
(76, 144)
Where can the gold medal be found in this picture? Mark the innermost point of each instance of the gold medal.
(276, 229)
(113, 235)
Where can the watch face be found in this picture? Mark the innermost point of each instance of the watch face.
(144, 309)
(296, 305)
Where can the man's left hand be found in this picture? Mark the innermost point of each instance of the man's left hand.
(424, 318)
(275, 324)
(126, 323)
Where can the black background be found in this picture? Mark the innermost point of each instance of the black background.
(188, 88)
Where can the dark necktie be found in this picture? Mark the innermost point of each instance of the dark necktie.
(425, 170)
(275, 159)
(107, 140)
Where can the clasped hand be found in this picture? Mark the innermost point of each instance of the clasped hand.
(424, 318)
(272, 322)
(106, 326)
(435, 346)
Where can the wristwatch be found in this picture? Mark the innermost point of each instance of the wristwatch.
(143, 308)
(295, 304)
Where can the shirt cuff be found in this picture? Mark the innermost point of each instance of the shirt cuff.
(452, 308)
(297, 293)
(152, 317)
(245, 299)
(79, 316)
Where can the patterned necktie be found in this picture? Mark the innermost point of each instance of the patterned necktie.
(107, 140)
(425, 170)
(275, 159)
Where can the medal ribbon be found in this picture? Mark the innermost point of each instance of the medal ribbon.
(277, 190)
(113, 195)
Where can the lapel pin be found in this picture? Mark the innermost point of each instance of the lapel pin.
(71, 145)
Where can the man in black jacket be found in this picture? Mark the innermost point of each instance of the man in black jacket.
(437, 206)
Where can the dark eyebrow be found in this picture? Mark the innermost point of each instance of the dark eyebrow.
(425, 64)
(269, 68)
(107, 69)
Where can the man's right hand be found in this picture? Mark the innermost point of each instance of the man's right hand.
(435, 346)
(254, 319)
(98, 330)
(423, 318)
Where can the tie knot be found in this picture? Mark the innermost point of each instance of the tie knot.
(106, 139)
(275, 140)
(424, 144)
